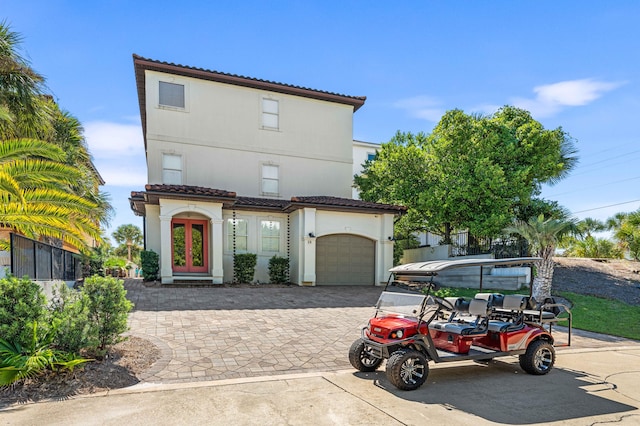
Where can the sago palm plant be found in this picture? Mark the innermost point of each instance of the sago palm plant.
(17, 363)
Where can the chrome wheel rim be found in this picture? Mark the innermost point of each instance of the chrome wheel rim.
(411, 370)
(366, 359)
(543, 359)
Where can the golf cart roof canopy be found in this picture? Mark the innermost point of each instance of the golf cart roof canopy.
(434, 266)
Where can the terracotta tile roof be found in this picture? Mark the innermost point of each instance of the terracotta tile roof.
(154, 192)
(346, 202)
(189, 190)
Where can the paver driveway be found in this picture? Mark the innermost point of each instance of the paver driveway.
(212, 333)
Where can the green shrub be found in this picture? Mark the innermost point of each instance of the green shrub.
(108, 308)
(150, 262)
(69, 317)
(279, 270)
(93, 263)
(244, 266)
(22, 302)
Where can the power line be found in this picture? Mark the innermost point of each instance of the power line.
(594, 186)
(588, 168)
(604, 207)
(607, 159)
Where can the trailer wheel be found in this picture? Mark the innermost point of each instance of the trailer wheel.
(361, 358)
(407, 369)
(539, 358)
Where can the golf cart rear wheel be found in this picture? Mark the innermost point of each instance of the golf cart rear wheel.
(360, 357)
(407, 369)
(539, 358)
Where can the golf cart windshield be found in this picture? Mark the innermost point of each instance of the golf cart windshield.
(404, 304)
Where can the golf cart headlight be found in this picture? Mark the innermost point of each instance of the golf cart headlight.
(397, 334)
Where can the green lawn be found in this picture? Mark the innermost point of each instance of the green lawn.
(604, 315)
(589, 313)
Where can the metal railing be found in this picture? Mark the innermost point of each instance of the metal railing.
(464, 244)
(41, 261)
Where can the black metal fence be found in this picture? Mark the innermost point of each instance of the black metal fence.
(464, 244)
(40, 261)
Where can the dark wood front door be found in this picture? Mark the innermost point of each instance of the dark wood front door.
(189, 245)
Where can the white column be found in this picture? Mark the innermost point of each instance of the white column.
(166, 271)
(309, 247)
(217, 272)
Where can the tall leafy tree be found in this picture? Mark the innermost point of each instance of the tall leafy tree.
(130, 236)
(472, 172)
(543, 236)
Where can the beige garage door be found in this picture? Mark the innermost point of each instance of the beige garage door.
(345, 260)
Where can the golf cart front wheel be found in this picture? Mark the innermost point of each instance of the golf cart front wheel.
(360, 357)
(539, 358)
(407, 369)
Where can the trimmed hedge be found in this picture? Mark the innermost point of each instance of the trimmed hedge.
(278, 270)
(244, 267)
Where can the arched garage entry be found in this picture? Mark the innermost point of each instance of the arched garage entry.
(344, 259)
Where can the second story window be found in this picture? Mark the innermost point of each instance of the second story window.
(171, 169)
(270, 180)
(371, 156)
(270, 114)
(171, 95)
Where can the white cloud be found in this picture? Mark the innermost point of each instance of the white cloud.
(114, 140)
(423, 107)
(128, 175)
(551, 98)
(118, 153)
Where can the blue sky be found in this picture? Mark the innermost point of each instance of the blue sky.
(574, 64)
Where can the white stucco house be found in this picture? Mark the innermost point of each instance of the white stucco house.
(242, 165)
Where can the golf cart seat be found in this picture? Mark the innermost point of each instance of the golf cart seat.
(479, 308)
(512, 309)
(540, 313)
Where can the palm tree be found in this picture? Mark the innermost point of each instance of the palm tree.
(129, 235)
(543, 236)
(626, 229)
(46, 191)
(21, 92)
(35, 194)
(588, 225)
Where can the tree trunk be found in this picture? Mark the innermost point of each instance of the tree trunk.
(129, 251)
(447, 234)
(544, 275)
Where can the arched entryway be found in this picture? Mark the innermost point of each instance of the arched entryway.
(189, 245)
(344, 259)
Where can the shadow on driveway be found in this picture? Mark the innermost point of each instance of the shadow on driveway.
(255, 297)
(502, 393)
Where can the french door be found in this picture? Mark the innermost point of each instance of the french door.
(189, 251)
